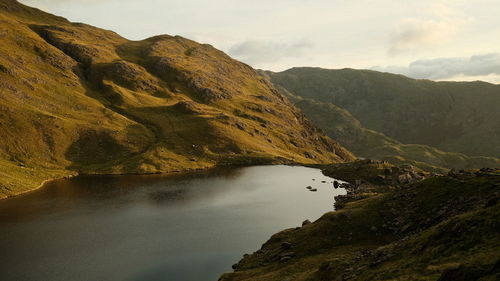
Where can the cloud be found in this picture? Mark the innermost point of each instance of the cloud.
(426, 31)
(413, 34)
(446, 68)
(255, 52)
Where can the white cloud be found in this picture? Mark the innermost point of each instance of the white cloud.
(449, 68)
(256, 52)
(414, 34)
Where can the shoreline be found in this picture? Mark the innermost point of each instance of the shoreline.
(173, 172)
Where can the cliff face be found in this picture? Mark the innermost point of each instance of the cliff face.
(79, 99)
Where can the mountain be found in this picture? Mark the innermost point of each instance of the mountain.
(422, 228)
(79, 99)
(340, 125)
(392, 117)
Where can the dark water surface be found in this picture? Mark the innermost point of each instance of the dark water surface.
(184, 227)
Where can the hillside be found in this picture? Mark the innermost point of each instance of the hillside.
(340, 125)
(398, 224)
(450, 116)
(79, 99)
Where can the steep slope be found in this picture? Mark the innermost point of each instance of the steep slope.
(79, 99)
(452, 116)
(440, 228)
(340, 125)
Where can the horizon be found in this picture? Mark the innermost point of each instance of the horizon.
(435, 40)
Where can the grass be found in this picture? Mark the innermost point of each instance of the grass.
(442, 228)
(79, 99)
(342, 126)
(450, 116)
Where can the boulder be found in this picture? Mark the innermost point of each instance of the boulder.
(336, 184)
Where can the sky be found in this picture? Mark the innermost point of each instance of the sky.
(431, 39)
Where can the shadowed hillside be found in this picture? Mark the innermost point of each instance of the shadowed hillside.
(451, 116)
(340, 125)
(79, 99)
(318, 102)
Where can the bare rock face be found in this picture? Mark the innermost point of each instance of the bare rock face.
(132, 76)
(59, 37)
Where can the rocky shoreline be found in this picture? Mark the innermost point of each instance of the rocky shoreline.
(394, 221)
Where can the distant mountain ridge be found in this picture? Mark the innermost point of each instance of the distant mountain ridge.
(79, 99)
(393, 117)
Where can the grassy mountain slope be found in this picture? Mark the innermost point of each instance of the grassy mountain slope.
(440, 228)
(451, 116)
(79, 99)
(340, 125)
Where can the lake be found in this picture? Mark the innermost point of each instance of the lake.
(156, 227)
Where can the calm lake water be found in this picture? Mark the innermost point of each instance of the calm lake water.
(183, 227)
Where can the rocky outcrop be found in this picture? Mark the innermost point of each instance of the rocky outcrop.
(412, 231)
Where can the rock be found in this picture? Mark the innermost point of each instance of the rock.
(323, 181)
(187, 107)
(313, 189)
(286, 245)
(309, 187)
(404, 178)
(287, 254)
(309, 155)
(240, 126)
(285, 259)
(336, 184)
(306, 222)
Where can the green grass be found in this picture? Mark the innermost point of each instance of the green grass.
(79, 99)
(342, 126)
(396, 234)
(451, 116)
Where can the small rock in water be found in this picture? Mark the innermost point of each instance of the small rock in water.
(313, 189)
(306, 222)
(314, 179)
(336, 184)
(323, 181)
(309, 187)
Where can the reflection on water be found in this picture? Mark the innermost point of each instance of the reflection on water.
(158, 227)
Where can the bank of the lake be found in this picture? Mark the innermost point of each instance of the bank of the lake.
(395, 223)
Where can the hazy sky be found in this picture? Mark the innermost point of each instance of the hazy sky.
(436, 39)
